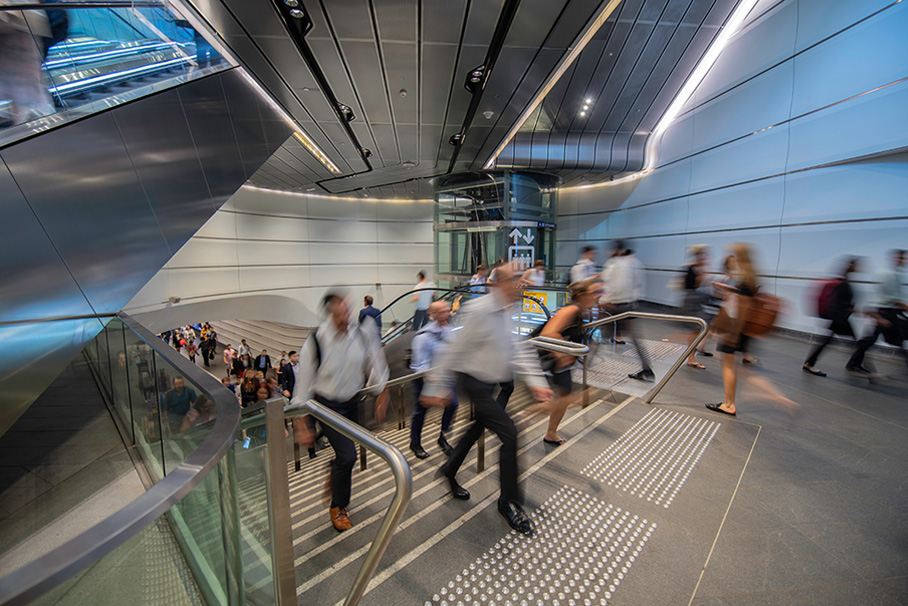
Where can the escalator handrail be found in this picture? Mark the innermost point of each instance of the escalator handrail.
(46, 572)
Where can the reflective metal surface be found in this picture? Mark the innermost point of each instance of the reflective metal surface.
(41, 575)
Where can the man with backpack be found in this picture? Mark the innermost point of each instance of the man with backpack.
(426, 348)
(336, 362)
(835, 303)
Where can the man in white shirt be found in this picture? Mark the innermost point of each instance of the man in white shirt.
(623, 279)
(427, 347)
(244, 348)
(485, 354)
(585, 267)
(478, 279)
(338, 360)
(423, 300)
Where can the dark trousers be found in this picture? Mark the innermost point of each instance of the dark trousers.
(895, 334)
(629, 325)
(419, 415)
(489, 415)
(344, 452)
(419, 318)
(839, 326)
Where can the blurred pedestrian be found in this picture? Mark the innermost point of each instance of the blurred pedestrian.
(622, 277)
(422, 299)
(585, 267)
(535, 276)
(368, 311)
(839, 305)
(695, 295)
(485, 354)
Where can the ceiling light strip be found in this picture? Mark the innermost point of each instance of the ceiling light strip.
(562, 67)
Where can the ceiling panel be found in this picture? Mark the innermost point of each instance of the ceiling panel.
(371, 50)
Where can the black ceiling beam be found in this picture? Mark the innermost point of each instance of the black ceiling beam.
(478, 77)
(299, 24)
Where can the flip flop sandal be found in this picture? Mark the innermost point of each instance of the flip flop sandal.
(715, 407)
(696, 365)
(554, 442)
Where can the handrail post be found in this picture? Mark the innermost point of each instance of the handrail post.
(278, 490)
(400, 407)
(704, 328)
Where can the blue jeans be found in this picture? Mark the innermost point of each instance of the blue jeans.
(419, 415)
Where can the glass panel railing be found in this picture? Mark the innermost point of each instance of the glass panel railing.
(183, 526)
(62, 62)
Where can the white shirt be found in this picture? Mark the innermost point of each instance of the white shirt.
(244, 349)
(537, 277)
(623, 277)
(428, 344)
(486, 348)
(424, 299)
(349, 361)
(583, 270)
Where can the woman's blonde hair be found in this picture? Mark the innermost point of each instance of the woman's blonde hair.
(745, 272)
(581, 287)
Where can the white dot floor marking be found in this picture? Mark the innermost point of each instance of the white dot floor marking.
(582, 550)
(655, 350)
(654, 458)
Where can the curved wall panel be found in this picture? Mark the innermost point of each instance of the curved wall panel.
(270, 255)
(782, 145)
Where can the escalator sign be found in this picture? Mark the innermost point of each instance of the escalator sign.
(530, 305)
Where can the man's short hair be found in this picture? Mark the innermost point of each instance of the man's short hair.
(422, 275)
(368, 300)
(618, 245)
(330, 297)
(481, 267)
(588, 249)
(291, 353)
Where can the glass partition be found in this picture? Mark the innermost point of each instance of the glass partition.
(60, 63)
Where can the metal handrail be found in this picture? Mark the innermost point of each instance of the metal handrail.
(704, 328)
(559, 346)
(402, 478)
(43, 574)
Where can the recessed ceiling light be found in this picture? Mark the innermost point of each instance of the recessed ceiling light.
(585, 107)
(588, 101)
(582, 113)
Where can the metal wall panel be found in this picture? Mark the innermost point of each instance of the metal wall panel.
(160, 146)
(214, 137)
(83, 188)
(35, 283)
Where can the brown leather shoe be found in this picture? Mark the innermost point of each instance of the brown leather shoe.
(340, 519)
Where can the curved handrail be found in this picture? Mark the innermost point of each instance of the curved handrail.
(43, 574)
(402, 478)
(704, 328)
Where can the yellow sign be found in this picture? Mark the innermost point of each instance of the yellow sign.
(532, 306)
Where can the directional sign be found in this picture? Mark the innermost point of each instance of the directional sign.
(516, 234)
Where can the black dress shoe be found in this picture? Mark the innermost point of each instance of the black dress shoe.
(311, 453)
(458, 491)
(419, 451)
(813, 371)
(445, 447)
(643, 375)
(516, 518)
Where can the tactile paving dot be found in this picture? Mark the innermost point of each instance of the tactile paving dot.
(653, 459)
(582, 550)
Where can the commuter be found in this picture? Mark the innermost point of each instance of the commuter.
(202, 411)
(226, 382)
(175, 403)
(840, 307)
(191, 350)
(205, 347)
(493, 275)
(273, 384)
(585, 267)
(260, 375)
(283, 358)
(241, 365)
(368, 311)
(427, 346)
(485, 354)
(730, 323)
(535, 276)
(244, 348)
(479, 279)
(245, 391)
(263, 361)
(334, 364)
(422, 299)
(288, 380)
(723, 288)
(623, 279)
(567, 325)
(889, 315)
(22, 35)
(229, 354)
(175, 339)
(695, 296)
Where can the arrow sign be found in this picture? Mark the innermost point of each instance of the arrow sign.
(515, 233)
(529, 237)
